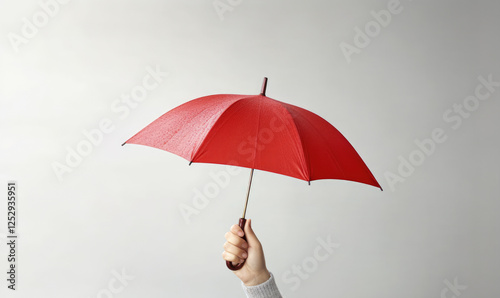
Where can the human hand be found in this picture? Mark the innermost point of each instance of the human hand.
(237, 250)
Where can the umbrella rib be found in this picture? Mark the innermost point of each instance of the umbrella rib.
(306, 159)
(195, 151)
(322, 136)
(207, 140)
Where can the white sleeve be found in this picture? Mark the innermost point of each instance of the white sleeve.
(267, 289)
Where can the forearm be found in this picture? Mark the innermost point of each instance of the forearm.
(267, 289)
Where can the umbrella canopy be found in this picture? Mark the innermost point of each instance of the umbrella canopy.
(257, 132)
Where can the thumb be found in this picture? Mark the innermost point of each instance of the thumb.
(250, 235)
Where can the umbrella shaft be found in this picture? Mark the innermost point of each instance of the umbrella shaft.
(248, 194)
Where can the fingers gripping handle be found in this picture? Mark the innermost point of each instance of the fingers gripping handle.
(230, 264)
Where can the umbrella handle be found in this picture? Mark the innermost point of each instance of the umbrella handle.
(230, 264)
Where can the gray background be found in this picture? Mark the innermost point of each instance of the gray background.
(119, 208)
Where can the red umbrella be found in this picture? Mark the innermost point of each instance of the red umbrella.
(256, 132)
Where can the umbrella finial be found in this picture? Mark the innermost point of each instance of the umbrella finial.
(264, 85)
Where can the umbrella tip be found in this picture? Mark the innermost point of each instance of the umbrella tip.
(124, 143)
(264, 86)
(190, 162)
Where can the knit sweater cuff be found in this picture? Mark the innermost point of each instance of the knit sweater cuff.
(267, 289)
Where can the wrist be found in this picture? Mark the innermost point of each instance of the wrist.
(258, 279)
